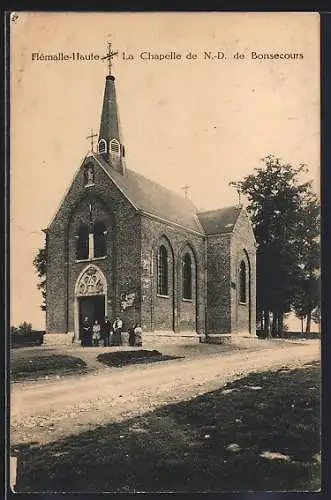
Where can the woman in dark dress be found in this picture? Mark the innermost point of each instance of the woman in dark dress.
(86, 333)
(132, 336)
(106, 332)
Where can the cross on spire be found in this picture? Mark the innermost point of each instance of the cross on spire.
(109, 56)
(186, 189)
(91, 136)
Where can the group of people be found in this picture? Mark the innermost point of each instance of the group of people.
(109, 333)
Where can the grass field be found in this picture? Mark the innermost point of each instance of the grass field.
(124, 358)
(258, 433)
(41, 365)
(34, 364)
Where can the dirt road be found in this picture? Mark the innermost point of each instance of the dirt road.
(47, 411)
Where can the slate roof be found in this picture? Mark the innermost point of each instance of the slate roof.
(219, 221)
(151, 197)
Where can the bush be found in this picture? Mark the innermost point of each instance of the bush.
(25, 327)
(261, 334)
(19, 338)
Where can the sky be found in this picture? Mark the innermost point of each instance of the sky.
(198, 121)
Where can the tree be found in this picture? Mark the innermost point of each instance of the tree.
(40, 264)
(25, 327)
(281, 210)
(316, 315)
(307, 293)
(306, 300)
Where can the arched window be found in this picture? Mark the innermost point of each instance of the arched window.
(242, 282)
(115, 147)
(187, 277)
(162, 271)
(99, 236)
(82, 238)
(102, 146)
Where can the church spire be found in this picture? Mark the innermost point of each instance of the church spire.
(110, 145)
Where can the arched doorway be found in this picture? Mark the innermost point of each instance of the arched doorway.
(90, 297)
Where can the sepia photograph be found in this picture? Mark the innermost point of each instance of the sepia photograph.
(165, 252)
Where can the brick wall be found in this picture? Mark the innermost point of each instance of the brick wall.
(219, 283)
(131, 266)
(187, 306)
(56, 281)
(121, 268)
(163, 305)
(160, 313)
(243, 315)
(107, 265)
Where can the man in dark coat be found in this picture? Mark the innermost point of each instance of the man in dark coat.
(106, 331)
(117, 331)
(131, 335)
(86, 333)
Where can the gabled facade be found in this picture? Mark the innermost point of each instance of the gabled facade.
(122, 245)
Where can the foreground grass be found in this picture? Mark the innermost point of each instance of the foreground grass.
(123, 358)
(34, 365)
(258, 433)
(41, 366)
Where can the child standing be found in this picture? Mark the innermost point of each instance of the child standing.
(96, 329)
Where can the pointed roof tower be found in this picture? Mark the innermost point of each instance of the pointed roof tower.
(110, 145)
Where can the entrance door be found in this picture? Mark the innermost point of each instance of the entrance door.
(92, 307)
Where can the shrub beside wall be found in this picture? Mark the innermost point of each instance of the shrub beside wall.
(20, 338)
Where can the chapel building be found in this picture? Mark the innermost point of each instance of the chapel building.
(122, 245)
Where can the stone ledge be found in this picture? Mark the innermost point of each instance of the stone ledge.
(58, 338)
(223, 338)
(217, 338)
(169, 333)
(162, 337)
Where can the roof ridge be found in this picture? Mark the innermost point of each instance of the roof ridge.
(236, 207)
(164, 188)
(221, 220)
(150, 197)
